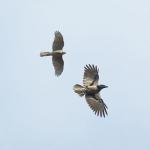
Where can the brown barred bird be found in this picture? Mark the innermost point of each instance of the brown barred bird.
(57, 53)
(91, 89)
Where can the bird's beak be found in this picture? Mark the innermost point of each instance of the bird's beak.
(103, 86)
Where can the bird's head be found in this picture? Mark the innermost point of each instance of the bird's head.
(100, 87)
(63, 53)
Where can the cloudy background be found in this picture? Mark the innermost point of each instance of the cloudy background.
(39, 111)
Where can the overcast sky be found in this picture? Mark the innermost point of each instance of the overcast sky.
(39, 111)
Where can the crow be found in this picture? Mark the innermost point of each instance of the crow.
(91, 89)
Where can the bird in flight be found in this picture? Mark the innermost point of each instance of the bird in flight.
(57, 53)
(91, 89)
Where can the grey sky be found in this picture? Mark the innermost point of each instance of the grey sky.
(115, 35)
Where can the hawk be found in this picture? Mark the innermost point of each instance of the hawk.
(91, 89)
(57, 53)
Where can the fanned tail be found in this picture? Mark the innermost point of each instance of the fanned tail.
(80, 90)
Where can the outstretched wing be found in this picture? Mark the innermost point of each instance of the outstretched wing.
(58, 43)
(91, 76)
(97, 104)
(58, 64)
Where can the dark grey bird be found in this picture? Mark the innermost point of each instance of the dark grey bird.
(57, 53)
(91, 89)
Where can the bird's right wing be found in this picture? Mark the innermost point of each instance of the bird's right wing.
(58, 64)
(96, 104)
(91, 76)
(58, 43)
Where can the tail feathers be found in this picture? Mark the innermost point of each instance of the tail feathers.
(42, 54)
(79, 89)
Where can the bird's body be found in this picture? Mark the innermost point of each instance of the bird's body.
(57, 53)
(91, 90)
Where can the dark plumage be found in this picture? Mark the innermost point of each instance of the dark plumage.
(91, 90)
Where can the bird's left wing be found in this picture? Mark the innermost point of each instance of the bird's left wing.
(58, 43)
(91, 76)
(96, 104)
(58, 64)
